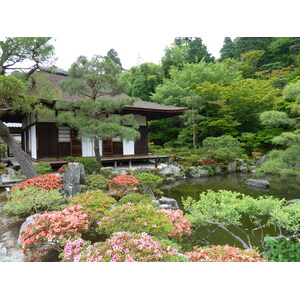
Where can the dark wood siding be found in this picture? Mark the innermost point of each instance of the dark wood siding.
(76, 147)
(47, 140)
(107, 148)
(117, 148)
(64, 149)
(141, 145)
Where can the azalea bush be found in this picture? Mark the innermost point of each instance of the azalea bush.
(49, 229)
(123, 184)
(136, 218)
(48, 182)
(32, 200)
(121, 247)
(62, 169)
(96, 182)
(181, 224)
(135, 198)
(149, 182)
(223, 254)
(94, 203)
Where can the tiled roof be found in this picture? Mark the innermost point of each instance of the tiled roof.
(139, 104)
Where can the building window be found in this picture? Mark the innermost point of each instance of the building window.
(64, 135)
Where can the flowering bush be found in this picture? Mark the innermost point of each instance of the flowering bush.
(255, 154)
(49, 230)
(136, 218)
(123, 183)
(206, 161)
(63, 168)
(180, 223)
(32, 200)
(223, 254)
(94, 203)
(48, 182)
(96, 182)
(122, 247)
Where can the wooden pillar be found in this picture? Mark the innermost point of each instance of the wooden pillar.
(130, 164)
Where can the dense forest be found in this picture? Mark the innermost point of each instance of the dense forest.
(252, 92)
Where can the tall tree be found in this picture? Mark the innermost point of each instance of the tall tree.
(185, 50)
(228, 49)
(35, 51)
(112, 53)
(94, 116)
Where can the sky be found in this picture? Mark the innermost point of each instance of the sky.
(131, 51)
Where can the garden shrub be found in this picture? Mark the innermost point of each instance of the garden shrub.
(224, 148)
(206, 161)
(148, 182)
(49, 230)
(90, 165)
(282, 250)
(136, 218)
(135, 198)
(223, 254)
(121, 247)
(95, 182)
(32, 200)
(94, 203)
(181, 224)
(123, 184)
(210, 170)
(48, 182)
(3, 169)
(43, 168)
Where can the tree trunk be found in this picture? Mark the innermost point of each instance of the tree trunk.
(97, 150)
(23, 158)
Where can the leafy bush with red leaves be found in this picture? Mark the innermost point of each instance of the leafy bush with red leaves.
(47, 182)
(206, 161)
(223, 254)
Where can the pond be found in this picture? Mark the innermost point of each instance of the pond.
(288, 189)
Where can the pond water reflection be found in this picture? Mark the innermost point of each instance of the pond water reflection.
(288, 189)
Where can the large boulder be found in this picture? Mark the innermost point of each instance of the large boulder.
(73, 178)
(171, 172)
(166, 203)
(258, 182)
(243, 169)
(231, 168)
(262, 160)
(293, 201)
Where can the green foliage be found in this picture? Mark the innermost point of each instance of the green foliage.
(33, 200)
(282, 250)
(210, 170)
(224, 148)
(94, 203)
(135, 198)
(149, 182)
(138, 218)
(90, 164)
(96, 182)
(43, 168)
(226, 208)
(283, 162)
